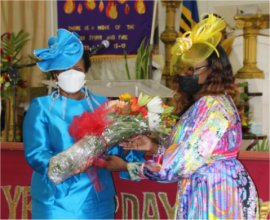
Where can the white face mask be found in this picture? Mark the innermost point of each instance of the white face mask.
(71, 81)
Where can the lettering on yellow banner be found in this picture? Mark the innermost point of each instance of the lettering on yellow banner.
(12, 201)
(123, 37)
(130, 202)
(82, 37)
(95, 37)
(151, 210)
(117, 45)
(119, 37)
(103, 27)
(111, 37)
(116, 203)
(117, 27)
(74, 28)
(26, 202)
(264, 209)
(170, 210)
(150, 206)
(86, 47)
(130, 26)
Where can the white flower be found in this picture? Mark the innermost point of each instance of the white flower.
(143, 124)
(155, 105)
(153, 121)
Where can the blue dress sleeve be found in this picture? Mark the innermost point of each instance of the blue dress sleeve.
(129, 156)
(35, 138)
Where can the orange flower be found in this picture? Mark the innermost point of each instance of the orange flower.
(134, 104)
(136, 109)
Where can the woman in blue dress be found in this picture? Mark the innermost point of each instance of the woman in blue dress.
(45, 134)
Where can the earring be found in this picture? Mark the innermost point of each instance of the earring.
(55, 94)
(85, 91)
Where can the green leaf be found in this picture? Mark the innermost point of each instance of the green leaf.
(126, 65)
(143, 99)
(138, 60)
(168, 110)
(142, 60)
(12, 47)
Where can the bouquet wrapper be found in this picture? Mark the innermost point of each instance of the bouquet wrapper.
(66, 163)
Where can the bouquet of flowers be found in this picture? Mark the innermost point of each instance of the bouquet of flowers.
(111, 123)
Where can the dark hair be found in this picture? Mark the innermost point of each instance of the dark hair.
(219, 81)
(86, 59)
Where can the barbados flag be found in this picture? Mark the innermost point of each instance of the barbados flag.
(189, 15)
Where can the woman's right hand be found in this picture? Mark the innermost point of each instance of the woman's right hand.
(140, 142)
(85, 166)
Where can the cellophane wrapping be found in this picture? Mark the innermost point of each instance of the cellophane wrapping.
(68, 162)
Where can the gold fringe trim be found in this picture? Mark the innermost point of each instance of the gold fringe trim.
(101, 58)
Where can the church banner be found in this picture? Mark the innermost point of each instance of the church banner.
(121, 22)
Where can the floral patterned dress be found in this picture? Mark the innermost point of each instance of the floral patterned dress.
(201, 157)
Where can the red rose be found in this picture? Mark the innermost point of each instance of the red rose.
(6, 77)
(22, 84)
(8, 35)
(9, 58)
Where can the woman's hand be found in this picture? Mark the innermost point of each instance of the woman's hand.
(112, 163)
(85, 166)
(140, 142)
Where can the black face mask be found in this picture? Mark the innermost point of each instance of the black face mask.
(189, 83)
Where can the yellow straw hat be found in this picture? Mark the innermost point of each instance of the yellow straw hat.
(198, 44)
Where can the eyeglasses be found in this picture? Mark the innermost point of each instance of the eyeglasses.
(190, 69)
(195, 69)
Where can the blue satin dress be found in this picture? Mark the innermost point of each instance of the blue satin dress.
(45, 133)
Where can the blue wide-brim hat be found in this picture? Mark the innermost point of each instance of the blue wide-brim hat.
(63, 51)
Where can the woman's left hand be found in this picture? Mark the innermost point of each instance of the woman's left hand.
(139, 142)
(112, 163)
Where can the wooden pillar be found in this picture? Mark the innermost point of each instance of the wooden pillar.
(169, 35)
(251, 25)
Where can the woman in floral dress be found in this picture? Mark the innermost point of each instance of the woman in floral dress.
(201, 153)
